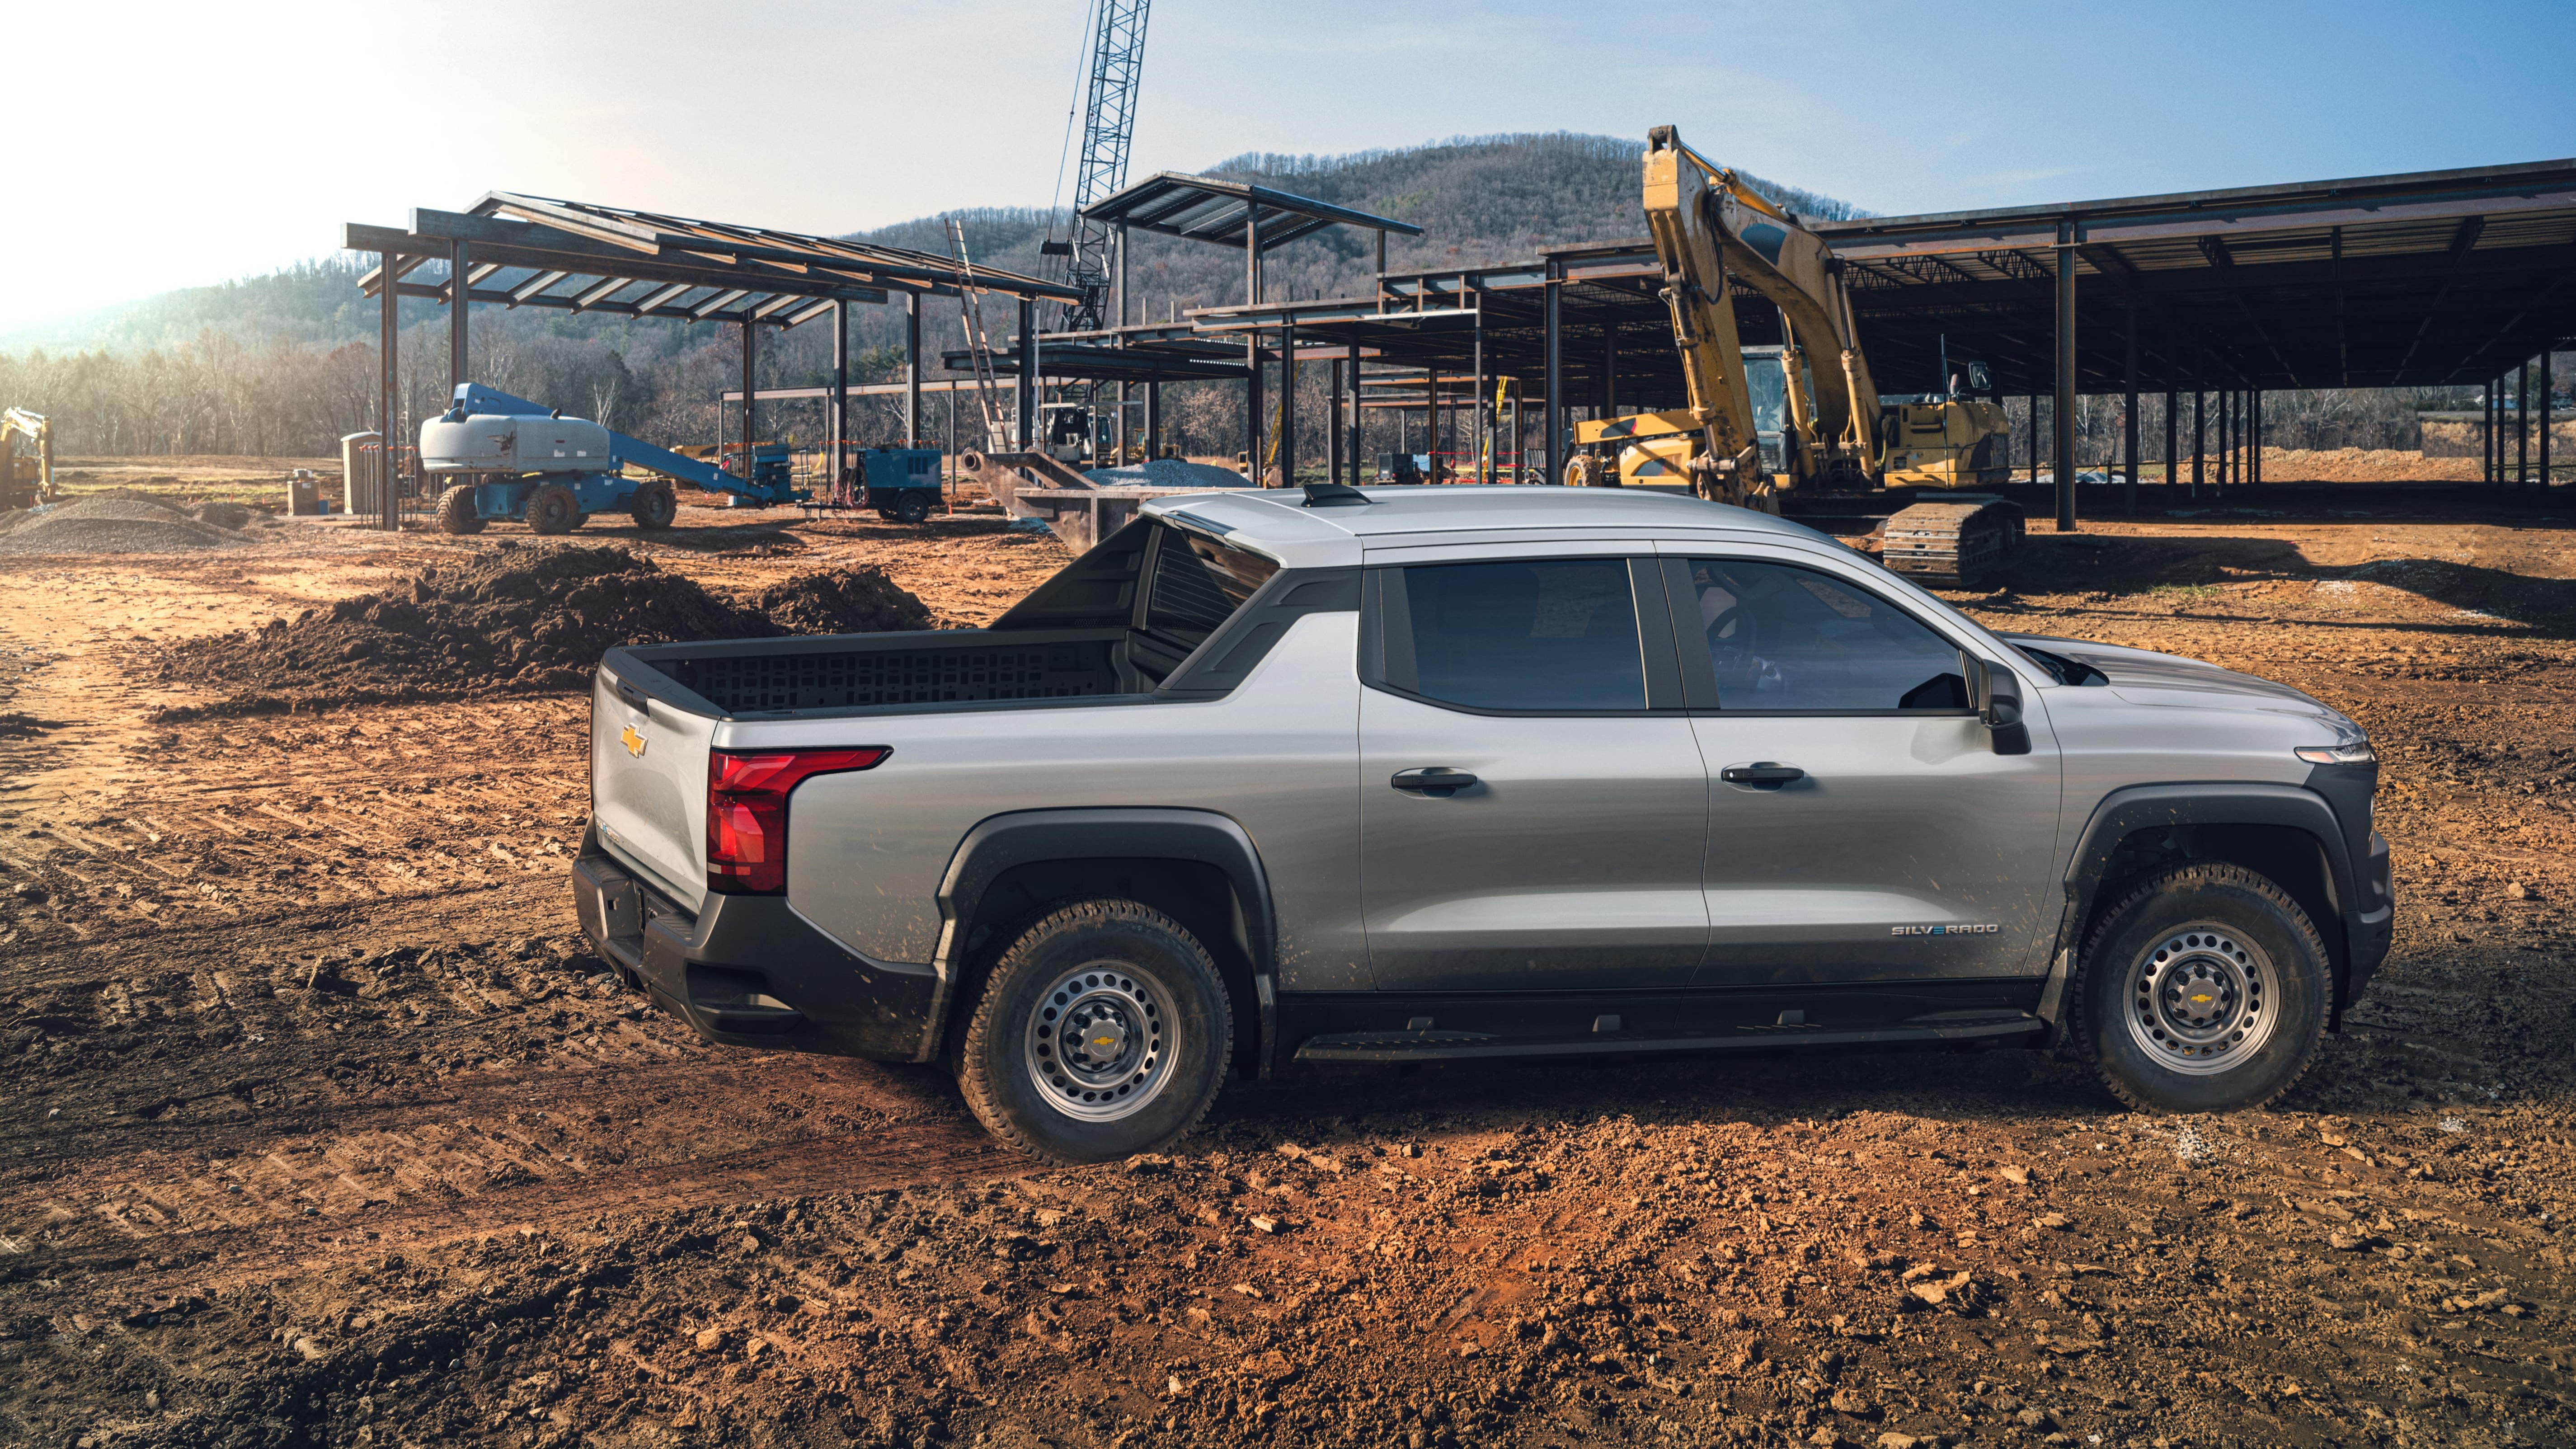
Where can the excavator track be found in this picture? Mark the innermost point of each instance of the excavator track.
(1959, 542)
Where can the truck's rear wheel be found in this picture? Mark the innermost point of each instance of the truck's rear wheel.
(456, 511)
(2204, 990)
(1103, 1032)
(654, 506)
(552, 509)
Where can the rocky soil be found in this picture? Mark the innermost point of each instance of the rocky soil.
(319, 1126)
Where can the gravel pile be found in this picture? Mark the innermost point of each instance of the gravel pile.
(518, 622)
(121, 523)
(1168, 473)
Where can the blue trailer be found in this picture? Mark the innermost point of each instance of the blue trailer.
(507, 458)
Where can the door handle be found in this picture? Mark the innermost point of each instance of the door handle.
(1767, 773)
(633, 696)
(1439, 781)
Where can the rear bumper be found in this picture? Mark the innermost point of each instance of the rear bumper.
(748, 971)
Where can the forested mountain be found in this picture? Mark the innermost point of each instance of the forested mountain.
(285, 363)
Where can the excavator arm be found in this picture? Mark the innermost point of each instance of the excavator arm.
(1708, 226)
(1712, 356)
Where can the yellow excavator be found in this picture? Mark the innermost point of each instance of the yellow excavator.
(1804, 416)
(15, 424)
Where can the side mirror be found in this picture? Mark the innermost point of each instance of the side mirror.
(1981, 381)
(1999, 709)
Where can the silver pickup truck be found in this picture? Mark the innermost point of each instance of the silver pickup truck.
(1411, 774)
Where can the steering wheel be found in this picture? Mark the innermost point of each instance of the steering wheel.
(1727, 655)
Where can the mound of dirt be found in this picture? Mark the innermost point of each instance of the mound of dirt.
(860, 600)
(117, 522)
(521, 621)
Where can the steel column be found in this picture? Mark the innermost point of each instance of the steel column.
(2172, 441)
(1481, 417)
(2489, 440)
(2034, 438)
(2129, 413)
(1609, 368)
(1333, 428)
(1153, 420)
(1358, 470)
(1288, 404)
(911, 370)
(2521, 423)
(460, 267)
(1553, 459)
(2254, 432)
(2544, 417)
(389, 388)
(836, 421)
(1025, 395)
(2199, 436)
(1252, 407)
(748, 327)
(2064, 403)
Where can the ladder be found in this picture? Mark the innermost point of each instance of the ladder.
(970, 311)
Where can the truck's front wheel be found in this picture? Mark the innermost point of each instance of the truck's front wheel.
(2204, 990)
(1103, 1032)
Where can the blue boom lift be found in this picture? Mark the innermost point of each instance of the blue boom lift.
(506, 457)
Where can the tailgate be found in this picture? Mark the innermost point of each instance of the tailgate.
(648, 785)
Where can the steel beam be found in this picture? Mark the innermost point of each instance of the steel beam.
(2064, 404)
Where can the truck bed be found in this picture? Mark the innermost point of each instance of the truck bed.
(854, 671)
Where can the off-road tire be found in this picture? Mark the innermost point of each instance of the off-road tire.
(2250, 921)
(912, 505)
(654, 506)
(552, 509)
(1139, 956)
(456, 511)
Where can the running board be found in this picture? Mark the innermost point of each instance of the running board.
(1445, 1046)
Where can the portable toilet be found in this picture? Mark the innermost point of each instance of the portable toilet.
(362, 473)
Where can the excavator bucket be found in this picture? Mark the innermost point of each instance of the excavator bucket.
(1959, 542)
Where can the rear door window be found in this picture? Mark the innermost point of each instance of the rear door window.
(1541, 635)
(1784, 639)
(1197, 583)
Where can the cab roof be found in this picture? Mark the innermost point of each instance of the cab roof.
(1280, 522)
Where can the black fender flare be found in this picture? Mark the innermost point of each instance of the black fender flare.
(2147, 807)
(1027, 837)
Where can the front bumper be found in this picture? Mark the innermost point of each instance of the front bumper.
(2366, 932)
(748, 971)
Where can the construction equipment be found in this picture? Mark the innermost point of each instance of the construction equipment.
(1767, 429)
(19, 423)
(506, 457)
(1109, 124)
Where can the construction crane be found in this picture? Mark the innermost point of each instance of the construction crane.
(19, 423)
(1806, 415)
(1108, 125)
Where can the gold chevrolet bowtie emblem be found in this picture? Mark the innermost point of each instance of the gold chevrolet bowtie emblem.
(634, 741)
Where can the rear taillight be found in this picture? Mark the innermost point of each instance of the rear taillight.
(747, 811)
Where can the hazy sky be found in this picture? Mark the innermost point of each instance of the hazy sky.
(156, 145)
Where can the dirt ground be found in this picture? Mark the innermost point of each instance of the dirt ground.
(318, 1125)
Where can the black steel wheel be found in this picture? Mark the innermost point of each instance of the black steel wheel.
(1103, 1032)
(912, 505)
(654, 506)
(2206, 989)
(456, 511)
(552, 509)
